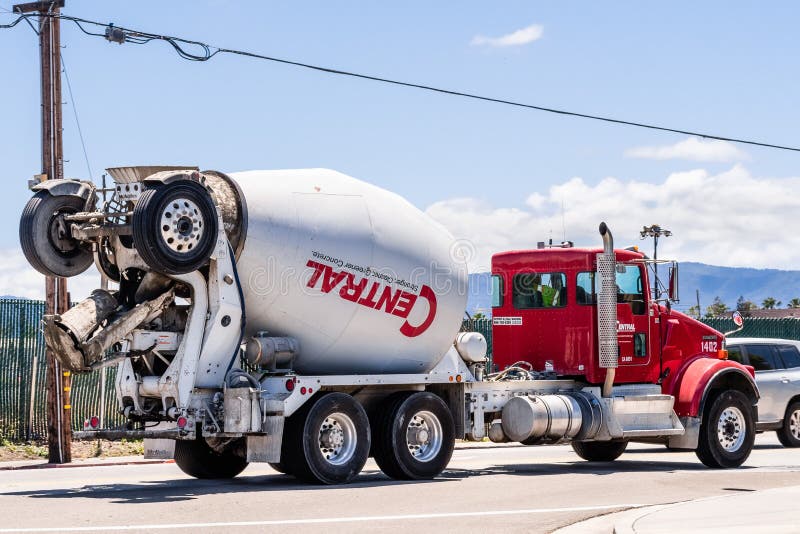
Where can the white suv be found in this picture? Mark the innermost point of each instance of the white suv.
(777, 365)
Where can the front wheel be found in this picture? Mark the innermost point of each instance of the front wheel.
(789, 433)
(197, 459)
(727, 432)
(599, 451)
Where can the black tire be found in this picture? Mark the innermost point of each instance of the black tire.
(197, 459)
(104, 263)
(327, 441)
(789, 433)
(175, 227)
(280, 467)
(414, 437)
(599, 451)
(43, 242)
(727, 432)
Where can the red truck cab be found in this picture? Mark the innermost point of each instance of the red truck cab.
(544, 312)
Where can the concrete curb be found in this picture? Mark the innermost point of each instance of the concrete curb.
(611, 522)
(122, 461)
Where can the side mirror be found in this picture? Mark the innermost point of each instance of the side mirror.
(673, 283)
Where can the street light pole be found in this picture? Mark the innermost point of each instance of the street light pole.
(655, 231)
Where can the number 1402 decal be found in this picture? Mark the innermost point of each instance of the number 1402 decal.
(708, 346)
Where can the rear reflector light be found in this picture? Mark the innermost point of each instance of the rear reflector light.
(182, 422)
(290, 384)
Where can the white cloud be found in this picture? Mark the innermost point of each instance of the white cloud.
(524, 36)
(19, 279)
(729, 218)
(694, 149)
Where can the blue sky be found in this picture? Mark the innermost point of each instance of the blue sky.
(493, 174)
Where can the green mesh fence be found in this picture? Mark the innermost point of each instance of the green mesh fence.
(785, 328)
(23, 395)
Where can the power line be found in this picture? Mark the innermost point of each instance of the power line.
(205, 52)
(77, 122)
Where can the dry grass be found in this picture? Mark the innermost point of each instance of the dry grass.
(80, 449)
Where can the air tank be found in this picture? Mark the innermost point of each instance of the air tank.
(366, 282)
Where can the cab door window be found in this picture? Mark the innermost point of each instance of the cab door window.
(629, 287)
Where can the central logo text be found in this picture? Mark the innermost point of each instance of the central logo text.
(375, 295)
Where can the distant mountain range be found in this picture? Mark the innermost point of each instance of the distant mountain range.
(727, 283)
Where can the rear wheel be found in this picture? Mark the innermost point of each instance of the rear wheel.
(280, 467)
(727, 432)
(175, 227)
(599, 451)
(415, 436)
(327, 441)
(46, 239)
(789, 433)
(197, 459)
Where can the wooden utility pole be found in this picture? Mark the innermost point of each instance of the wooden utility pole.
(58, 380)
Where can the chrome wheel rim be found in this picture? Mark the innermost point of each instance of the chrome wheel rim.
(731, 429)
(424, 436)
(794, 424)
(181, 225)
(337, 439)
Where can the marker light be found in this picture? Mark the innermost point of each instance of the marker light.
(290, 384)
(182, 422)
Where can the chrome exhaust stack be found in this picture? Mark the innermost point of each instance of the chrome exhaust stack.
(608, 349)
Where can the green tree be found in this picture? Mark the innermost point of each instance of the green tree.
(477, 316)
(745, 306)
(794, 303)
(717, 308)
(770, 303)
(693, 311)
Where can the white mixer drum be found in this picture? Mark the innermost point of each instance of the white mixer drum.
(364, 280)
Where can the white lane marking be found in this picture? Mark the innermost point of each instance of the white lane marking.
(312, 521)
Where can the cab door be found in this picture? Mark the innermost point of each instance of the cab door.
(633, 328)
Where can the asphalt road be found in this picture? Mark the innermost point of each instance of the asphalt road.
(507, 488)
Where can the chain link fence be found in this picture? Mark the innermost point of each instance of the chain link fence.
(23, 395)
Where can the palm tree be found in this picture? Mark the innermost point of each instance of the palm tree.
(794, 303)
(770, 303)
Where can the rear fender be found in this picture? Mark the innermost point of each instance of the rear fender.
(703, 376)
(65, 186)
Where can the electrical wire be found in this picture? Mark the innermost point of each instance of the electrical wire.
(77, 121)
(205, 52)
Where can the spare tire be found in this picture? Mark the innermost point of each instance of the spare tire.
(45, 238)
(175, 227)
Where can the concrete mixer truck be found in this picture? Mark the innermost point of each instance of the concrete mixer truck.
(310, 320)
